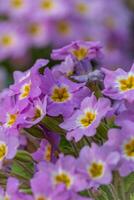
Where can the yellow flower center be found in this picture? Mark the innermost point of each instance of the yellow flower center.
(88, 118)
(80, 53)
(47, 5)
(41, 198)
(25, 90)
(38, 113)
(96, 170)
(48, 152)
(17, 3)
(34, 29)
(109, 22)
(63, 27)
(11, 119)
(3, 150)
(60, 94)
(126, 84)
(63, 178)
(81, 8)
(129, 148)
(6, 40)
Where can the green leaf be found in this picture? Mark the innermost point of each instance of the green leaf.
(35, 131)
(129, 182)
(23, 166)
(65, 146)
(52, 124)
(23, 156)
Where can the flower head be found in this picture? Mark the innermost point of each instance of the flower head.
(85, 120)
(96, 164)
(119, 84)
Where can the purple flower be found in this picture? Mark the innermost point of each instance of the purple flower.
(8, 146)
(122, 140)
(79, 50)
(27, 84)
(63, 95)
(96, 164)
(119, 84)
(35, 112)
(65, 68)
(45, 190)
(37, 32)
(85, 120)
(64, 173)
(48, 150)
(60, 178)
(12, 191)
(16, 8)
(46, 9)
(11, 188)
(12, 42)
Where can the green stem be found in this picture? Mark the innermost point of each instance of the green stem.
(122, 189)
(90, 194)
(88, 141)
(113, 192)
(76, 150)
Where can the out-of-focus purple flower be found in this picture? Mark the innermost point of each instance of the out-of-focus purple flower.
(82, 8)
(79, 50)
(12, 42)
(85, 120)
(96, 164)
(37, 33)
(119, 84)
(50, 9)
(16, 8)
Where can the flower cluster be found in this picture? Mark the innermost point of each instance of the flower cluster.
(27, 24)
(67, 132)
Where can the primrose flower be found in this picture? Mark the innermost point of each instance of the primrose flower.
(65, 68)
(82, 8)
(11, 118)
(12, 43)
(8, 146)
(63, 95)
(43, 190)
(48, 150)
(35, 112)
(122, 140)
(50, 9)
(11, 189)
(63, 173)
(85, 120)
(96, 164)
(16, 8)
(46, 191)
(27, 84)
(119, 84)
(78, 50)
(37, 32)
